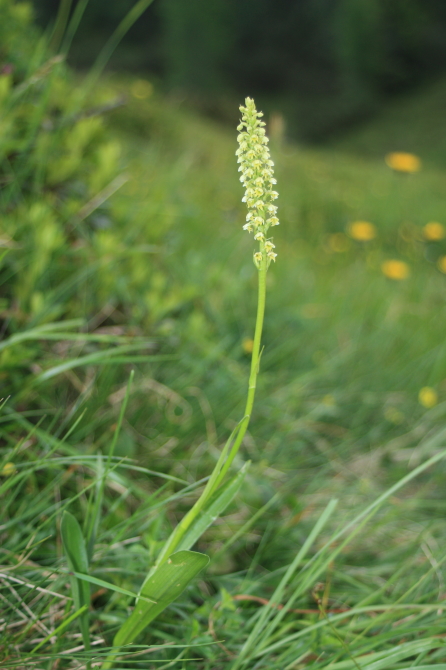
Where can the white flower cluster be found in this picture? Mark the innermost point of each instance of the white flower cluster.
(257, 171)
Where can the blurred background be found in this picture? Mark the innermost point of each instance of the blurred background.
(325, 64)
(121, 248)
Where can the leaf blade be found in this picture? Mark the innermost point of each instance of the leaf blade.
(164, 586)
(77, 558)
(217, 505)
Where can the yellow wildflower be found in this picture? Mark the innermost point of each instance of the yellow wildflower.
(441, 264)
(248, 345)
(403, 162)
(363, 231)
(141, 89)
(428, 397)
(434, 231)
(396, 270)
(7, 470)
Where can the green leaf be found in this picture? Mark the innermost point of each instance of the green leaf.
(216, 506)
(186, 522)
(94, 508)
(73, 543)
(77, 558)
(164, 586)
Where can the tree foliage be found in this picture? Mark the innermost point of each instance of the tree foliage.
(350, 52)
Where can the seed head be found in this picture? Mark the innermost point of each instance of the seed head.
(256, 167)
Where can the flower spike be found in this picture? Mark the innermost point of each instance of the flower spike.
(257, 171)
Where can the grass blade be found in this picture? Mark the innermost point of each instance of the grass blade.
(77, 558)
(97, 358)
(108, 585)
(60, 629)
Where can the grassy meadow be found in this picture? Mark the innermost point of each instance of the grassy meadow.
(122, 250)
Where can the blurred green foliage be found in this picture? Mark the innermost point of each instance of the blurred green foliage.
(326, 62)
(64, 240)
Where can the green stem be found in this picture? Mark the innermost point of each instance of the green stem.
(255, 364)
(107, 50)
(63, 15)
(239, 432)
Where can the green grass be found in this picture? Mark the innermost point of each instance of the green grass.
(159, 279)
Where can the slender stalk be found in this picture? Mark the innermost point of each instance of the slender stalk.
(73, 25)
(255, 364)
(63, 15)
(224, 463)
(113, 41)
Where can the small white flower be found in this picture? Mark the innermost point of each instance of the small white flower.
(272, 255)
(260, 237)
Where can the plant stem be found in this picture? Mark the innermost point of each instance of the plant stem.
(239, 433)
(115, 38)
(63, 15)
(255, 364)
